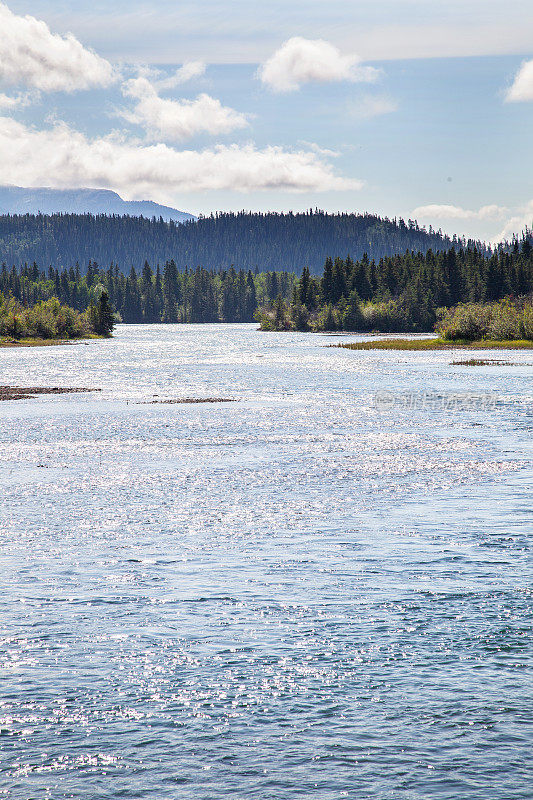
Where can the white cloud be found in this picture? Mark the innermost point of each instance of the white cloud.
(176, 120)
(522, 87)
(64, 158)
(189, 71)
(322, 151)
(301, 60)
(7, 101)
(517, 223)
(371, 106)
(456, 212)
(31, 55)
(521, 217)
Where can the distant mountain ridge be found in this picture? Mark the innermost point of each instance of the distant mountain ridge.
(20, 200)
(249, 241)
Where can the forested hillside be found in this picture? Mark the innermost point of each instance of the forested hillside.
(262, 242)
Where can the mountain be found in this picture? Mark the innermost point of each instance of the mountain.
(246, 240)
(18, 200)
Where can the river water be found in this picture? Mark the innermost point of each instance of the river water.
(322, 590)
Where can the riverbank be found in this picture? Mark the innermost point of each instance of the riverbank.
(36, 342)
(439, 344)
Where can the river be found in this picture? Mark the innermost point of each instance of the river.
(322, 590)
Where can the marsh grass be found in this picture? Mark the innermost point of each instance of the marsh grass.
(35, 341)
(438, 344)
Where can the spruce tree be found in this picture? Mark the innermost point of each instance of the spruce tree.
(101, 316)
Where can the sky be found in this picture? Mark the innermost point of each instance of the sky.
(413, 108)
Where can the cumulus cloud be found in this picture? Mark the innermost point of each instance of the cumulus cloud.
(176, 120)
(444, 211)
(522, 86)
(300, 61)
(31, 55)
(65, 158)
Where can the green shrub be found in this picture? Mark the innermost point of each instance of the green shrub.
(327, 319)
(506, 321)
(527, 321)
(300, 317)
(45, 320)
(276, 318)
(384, 316)
(466, 321)
(502, 321)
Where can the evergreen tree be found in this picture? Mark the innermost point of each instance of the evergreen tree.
(101, 316)
(326, 284)
(352, 318)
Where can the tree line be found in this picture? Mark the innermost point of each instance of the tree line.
(402, 292)
(269, 242)
(152, 295)
(394, 293)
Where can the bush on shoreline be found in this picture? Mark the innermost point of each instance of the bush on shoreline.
(506, 320)
(503, 321)
(346, 315)
(49, 319)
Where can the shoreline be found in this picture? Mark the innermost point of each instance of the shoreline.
(35, 342)
(438, 344)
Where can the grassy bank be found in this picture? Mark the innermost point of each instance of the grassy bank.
(439, 344)
(38, 342)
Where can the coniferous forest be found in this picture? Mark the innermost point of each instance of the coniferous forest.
(403, 293)
(398, 293)
(248, 241)
(152, 295)
(371, 290)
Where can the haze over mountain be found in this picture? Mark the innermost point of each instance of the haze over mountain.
(268, 242)
(21, 200)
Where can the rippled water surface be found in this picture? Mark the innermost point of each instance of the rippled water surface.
(299, 594)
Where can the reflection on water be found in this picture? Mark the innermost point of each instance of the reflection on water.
(302, 594)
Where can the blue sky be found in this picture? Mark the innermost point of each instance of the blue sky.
(364, 120)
